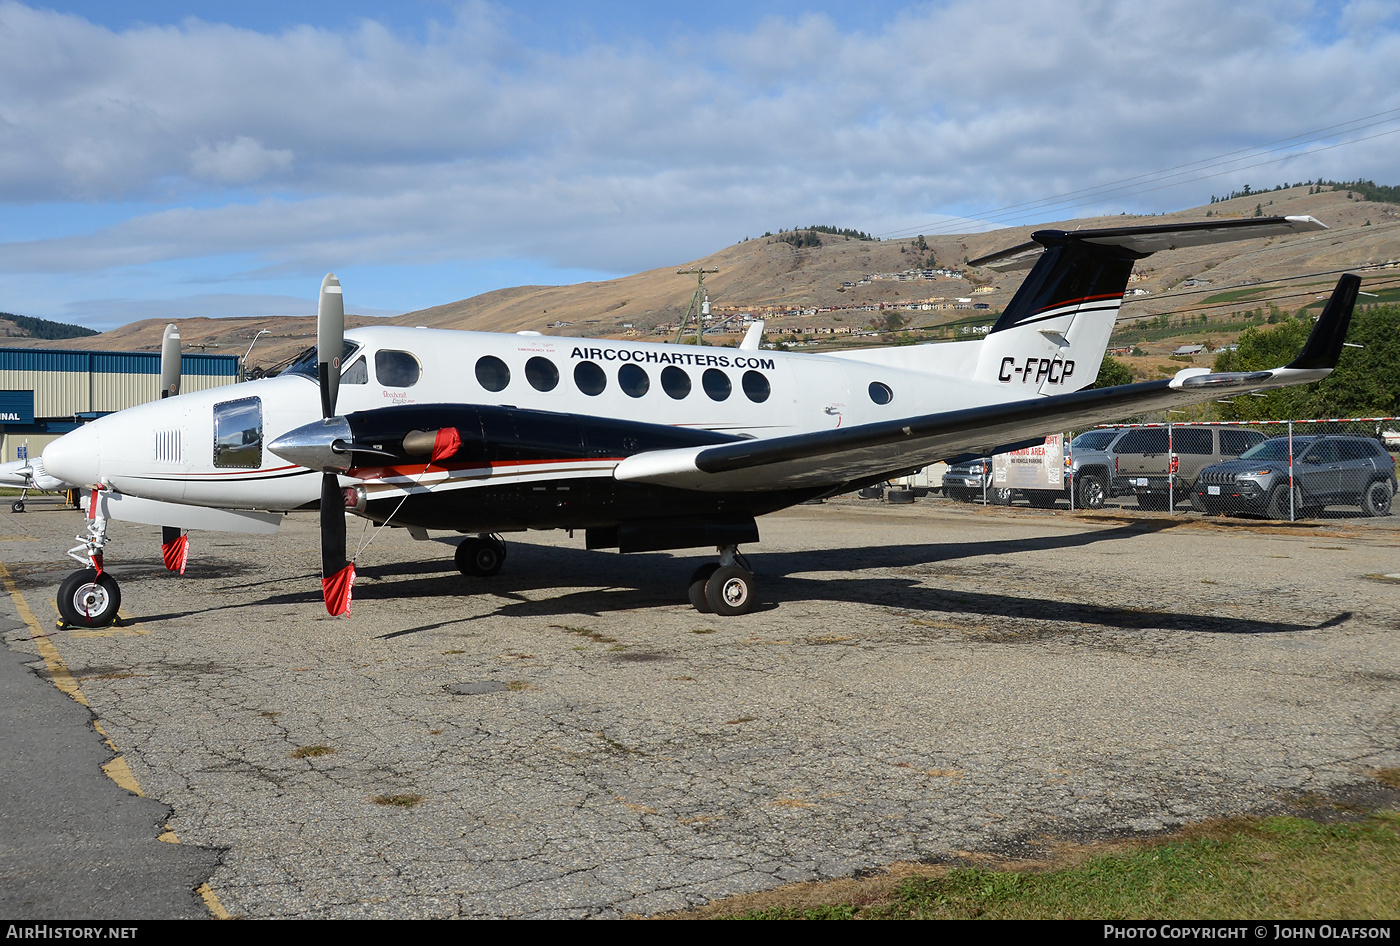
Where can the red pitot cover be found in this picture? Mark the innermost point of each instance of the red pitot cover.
(337, 591)
(176, 553)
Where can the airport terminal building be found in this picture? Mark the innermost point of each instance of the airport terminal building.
(46, 392)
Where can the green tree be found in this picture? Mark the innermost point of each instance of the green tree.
(1365, 383)
(1112, 373)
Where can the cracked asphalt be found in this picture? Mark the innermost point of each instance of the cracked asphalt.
(570, 739)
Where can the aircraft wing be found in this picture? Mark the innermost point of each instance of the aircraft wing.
(870, 451)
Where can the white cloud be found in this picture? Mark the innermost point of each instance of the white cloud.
(314, 147)
(239, 161)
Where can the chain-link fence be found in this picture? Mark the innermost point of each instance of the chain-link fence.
(1338, 468)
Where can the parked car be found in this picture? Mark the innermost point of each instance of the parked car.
(1327, 471)
(1135, 461)
(970, 480)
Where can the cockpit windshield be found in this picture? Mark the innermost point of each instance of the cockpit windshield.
(305, 363)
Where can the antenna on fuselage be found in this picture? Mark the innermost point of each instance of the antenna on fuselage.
(699, 303)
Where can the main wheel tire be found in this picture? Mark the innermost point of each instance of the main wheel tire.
(480, 557)
(17, 506)
(1376, 500)
(1278, 503)
(1091, 491)
(698, 580)
(87, 599)
(900, 496)
(730, 591)
(872, 492)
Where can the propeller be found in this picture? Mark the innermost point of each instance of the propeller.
(337, 574)
(170, 362)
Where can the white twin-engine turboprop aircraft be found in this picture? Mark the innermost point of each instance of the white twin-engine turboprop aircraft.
(643, 446)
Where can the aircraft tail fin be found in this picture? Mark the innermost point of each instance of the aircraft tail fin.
(1054, 332)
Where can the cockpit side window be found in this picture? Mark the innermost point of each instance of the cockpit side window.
(305, 363)
(358, 373)
(396, 369)
(238, 434)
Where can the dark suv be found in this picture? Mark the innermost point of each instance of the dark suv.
(1352, 471)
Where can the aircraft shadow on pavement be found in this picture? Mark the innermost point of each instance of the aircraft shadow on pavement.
(608, 584)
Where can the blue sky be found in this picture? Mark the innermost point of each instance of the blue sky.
(164, 159)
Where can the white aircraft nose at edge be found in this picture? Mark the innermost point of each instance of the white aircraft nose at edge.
(643, 446)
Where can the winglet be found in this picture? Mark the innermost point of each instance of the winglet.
(1325, 343)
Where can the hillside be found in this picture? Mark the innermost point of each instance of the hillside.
(785, 284)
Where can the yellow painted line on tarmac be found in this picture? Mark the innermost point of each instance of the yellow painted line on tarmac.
(117, 770)
(58, 670)
(212, 902)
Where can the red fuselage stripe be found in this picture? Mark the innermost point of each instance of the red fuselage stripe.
(1107, 295)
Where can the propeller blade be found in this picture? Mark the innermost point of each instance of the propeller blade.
(330, 341)
(337, 575)
(170, 362)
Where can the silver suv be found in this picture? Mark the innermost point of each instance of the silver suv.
(1134, 461)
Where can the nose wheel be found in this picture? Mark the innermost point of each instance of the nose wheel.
(725, 587)
(87, 599)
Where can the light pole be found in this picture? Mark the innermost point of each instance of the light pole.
(261, 333)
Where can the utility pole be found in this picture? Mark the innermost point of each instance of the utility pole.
(699, 302)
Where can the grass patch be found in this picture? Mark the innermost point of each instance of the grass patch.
(1243, 868)
(1234, 295)
(398, 801)
(311, 752)
(596, 637)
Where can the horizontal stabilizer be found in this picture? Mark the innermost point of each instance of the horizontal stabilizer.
(1150, 239)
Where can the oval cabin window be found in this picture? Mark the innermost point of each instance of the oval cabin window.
(541, 374)
(880, 393)
(756, 387)
(633, 380)
(675, 382)
(492, 373)
(589, 378)
(716, 384)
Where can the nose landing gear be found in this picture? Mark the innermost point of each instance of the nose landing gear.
(89, 597)
(725, 587)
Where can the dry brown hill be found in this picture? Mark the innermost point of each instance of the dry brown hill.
(766, 272)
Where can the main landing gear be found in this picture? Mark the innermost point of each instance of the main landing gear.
(725, 587)
(481, 555)
(89, 597)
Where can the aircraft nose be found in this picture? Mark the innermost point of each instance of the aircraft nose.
(75, 458)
